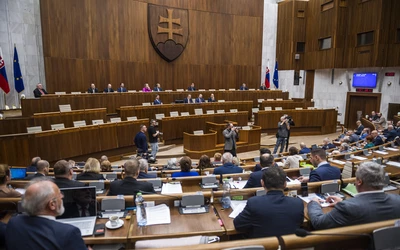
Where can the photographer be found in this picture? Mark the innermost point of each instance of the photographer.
(153, 138)
(231, 135)
(281, 136)
(291, 124)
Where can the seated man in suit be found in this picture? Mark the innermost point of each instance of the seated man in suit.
(157, 88)
(39, 91)
(188, 99)
(63, 175)
(327, 144)
(243, 87)
(192, 87)
(92, 89)
(157, 101)
(323, 171)
(273, 214)
(212, 98)
(263, 87)
(390, 134)
(377, 139)
(258, 167)
(109, 89)
(129, 185)
(33, 166)
(266, 161)
(122, 88)
(304, 149)
(371, 204)
(42, 170)
(200, 99)
(39, 229)
(359, 128)
(228, 167)
(380, 123)
(144, 167)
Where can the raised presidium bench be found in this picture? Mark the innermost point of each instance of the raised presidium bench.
(112, 101)
(81, 142)
(152, 111)
(285, 104)
(307, 122)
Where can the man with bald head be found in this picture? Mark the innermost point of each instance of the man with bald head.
(39, 229)
(129, 185)
(42, 169)
(377, 139)
(266, 161)
(39, 91)
(33, 166)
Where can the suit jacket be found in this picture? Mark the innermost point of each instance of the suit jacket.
(270, 215)
(157, 101)
(228, 168)
(37, 175)
(328, 146)
(359, 130)
(62, 182)
(198, 100)
(107, 90)
(157, 89)
(90, 90)
(391, 135)
(143, 175)
(305, 151)
(121, 89)
(263, 88)
(37, 93)
(31, 168)
(32, 232)
(230, 139)
(130, 186)
(212, 100)
(363, 208)
(89, 176)
(243, 88)
(187, 100)
(325, 173)
(254, 180)
(377, 141)
(191, 88)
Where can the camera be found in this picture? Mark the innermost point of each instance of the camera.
(160, 133)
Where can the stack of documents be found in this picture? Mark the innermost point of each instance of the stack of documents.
(350, 189)
(391, 163)
(172, 188)
(237, 207)
(359, 158)
(391, 149)
(338, 162)
(158, 215)
(381, 152)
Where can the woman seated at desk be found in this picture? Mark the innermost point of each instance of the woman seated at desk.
(6, 192)
(204, 163)
(293, 160)
(186, 165)
(369, 144)
(91, 171)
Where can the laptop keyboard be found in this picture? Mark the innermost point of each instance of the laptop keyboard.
(86, 226)
(197, 210)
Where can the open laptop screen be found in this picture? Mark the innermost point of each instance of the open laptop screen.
(79, 202)
(17, 173)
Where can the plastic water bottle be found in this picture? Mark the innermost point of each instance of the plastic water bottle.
(141, 216)
(226, 196)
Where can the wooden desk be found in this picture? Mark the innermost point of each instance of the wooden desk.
(111, 236)
(286, 104)
(181, 226)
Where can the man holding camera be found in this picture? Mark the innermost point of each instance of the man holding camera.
(291, 124)
(153, 138)
(283, 132)
(230, 135)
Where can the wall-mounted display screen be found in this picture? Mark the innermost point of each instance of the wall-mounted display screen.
(365, 80)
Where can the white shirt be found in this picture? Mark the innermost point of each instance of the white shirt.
(292, 161)
(370, 192)
(322, 163)
(50, 217)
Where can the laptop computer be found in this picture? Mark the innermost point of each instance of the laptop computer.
(17, 173)
(80, 208)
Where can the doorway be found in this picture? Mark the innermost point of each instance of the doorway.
(360, 104)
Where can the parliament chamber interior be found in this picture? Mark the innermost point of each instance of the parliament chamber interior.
(201, 124)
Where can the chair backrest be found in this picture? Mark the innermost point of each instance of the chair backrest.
(146, 104)
(65, 107)
(347, 171)
(112, 176)
(131, 118)
(221, 100)
(278, 108)
(76, 92)
(79, 123)
(98, 184)
(220, 111)
(57, 126)
(60, 93)
(210, 112)
(115, 119)
(34, 129)
(185, 114)
(386, 238)
(174, 113)
(112, 204)
(98, 121)
(198, 132)
(198, 111)
(267, 108)
(159, 116)
(330, 187)
(156, 183)
(305, 171)
(233, 110)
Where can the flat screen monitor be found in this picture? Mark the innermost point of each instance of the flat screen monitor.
(365, 80)
(79, 202)
(17, 173)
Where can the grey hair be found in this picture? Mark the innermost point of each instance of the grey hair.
(371, 174)
(143, 164)
(227, 157)
(35, 203)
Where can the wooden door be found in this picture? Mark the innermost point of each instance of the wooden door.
(363, 103)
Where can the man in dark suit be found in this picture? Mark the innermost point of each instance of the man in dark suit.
(122, 88)
(371, 204)
(359, 128)
(230, 134)
(263, 87)
(188, 99)
(228, 167)
(273, 214)
(39, 229)
(42, 170)
(192, 87)
(266, 161)
(258, 167)
(144, 167)
(129, 185)
(141, 140)
(390, 133)
(304, 149)
(323, 171)
(39, 91)
(200, 99)
(327, 144)
(33, 166)
(243, 87)
(377, 138)
(92, 89)
(157, 88)
(63, 175)
(109, 89)
(157, 101)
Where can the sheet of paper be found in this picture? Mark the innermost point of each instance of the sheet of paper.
(391, 149)
(237, 210)
(168, 188)
(393, 163)
(311, 196)
(235, 204)
(338, 162)
(158, 215)
(20, 190)
(238, 184)
(360, 158)
(290, 181)
(381, 152)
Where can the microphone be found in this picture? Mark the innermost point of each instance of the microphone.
(303, 233)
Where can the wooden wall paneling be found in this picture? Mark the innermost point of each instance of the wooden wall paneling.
(48, 145)
(284, 35)
(309, 91)
(127, 130)
(12, 125)
(108, 136)
(68, 150)
(90, 139)
(17, 149)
